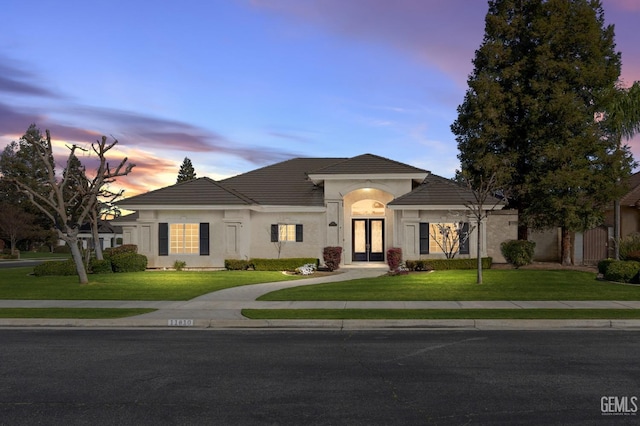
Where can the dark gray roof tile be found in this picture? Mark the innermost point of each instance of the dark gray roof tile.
(201, 191)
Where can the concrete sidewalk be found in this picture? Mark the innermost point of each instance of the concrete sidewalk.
(222, 309)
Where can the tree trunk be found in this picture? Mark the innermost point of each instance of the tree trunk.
(479, 255)
(566, 247)
(72, 241)
(523, 232)
(96, 240)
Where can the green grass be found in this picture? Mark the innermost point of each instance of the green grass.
(71, 313)
(460, 285)
(16, 283)
(441, 314)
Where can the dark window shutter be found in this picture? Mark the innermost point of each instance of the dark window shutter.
(204, 239)
(298, 233)
(163, 239)
(424, 238)
(464, 238)
(274, 233)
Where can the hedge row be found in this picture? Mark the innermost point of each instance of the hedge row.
(64, 267)
(446, 264)
(124, 261)
(289, 264)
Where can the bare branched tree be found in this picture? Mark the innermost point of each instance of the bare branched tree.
(450, 237)
(487, 196)
(69, 202)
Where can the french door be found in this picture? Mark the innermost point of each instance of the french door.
(368, 240)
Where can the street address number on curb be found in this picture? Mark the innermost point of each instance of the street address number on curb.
(180, 323)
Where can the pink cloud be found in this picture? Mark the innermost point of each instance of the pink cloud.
(631, 5)
(441, 34)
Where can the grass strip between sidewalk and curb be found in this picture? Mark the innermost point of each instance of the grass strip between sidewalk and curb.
(392, 314)
(73, 313)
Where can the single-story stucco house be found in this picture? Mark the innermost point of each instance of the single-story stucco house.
(364, 204)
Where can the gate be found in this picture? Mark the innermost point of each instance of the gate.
(596, 245)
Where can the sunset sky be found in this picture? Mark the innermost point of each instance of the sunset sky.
(239, 84)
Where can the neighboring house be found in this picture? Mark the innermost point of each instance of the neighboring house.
(594, 244)
(109, 235)
(365, 204)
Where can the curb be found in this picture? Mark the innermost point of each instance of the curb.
(339, 325)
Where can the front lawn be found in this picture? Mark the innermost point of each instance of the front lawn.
(514, 284)
(17, 283)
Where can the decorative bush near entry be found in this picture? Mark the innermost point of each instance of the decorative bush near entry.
(394, 258)
(332, 257)
(179, 265)
(518, 252)
(623, 271)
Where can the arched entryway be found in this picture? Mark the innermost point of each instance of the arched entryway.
(367, 231)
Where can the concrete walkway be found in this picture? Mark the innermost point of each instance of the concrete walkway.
(222, 309)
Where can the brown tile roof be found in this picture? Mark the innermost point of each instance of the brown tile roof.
(437, 191)
(366, 164)
(284, 183)
(281, 184)
(201, 191)
(632, 198)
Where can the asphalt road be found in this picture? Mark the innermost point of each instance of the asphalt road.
(19, 263)
(205, 377)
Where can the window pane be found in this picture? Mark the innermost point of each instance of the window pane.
(376, 236)
(359, 236)
(443, 238)
(184, 238)
(287, 232)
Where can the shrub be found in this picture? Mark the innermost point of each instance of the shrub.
(623, 271)
(603, 265)
(179, 265)
(629, 245)
(518, 252)
(97, 266)
(62, 249)
(126, 248)
(332, 257)
(44, 249)
(418, 265)
(237, 264)
(287, 264)
(128, 262)
(447, 264)
(64, 267)
(394, 258)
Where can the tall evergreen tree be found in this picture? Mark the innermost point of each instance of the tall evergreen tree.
(20, 160)
(187, 172)
(533, 114)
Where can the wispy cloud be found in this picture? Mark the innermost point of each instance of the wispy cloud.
(16, 81)
(137, 129)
